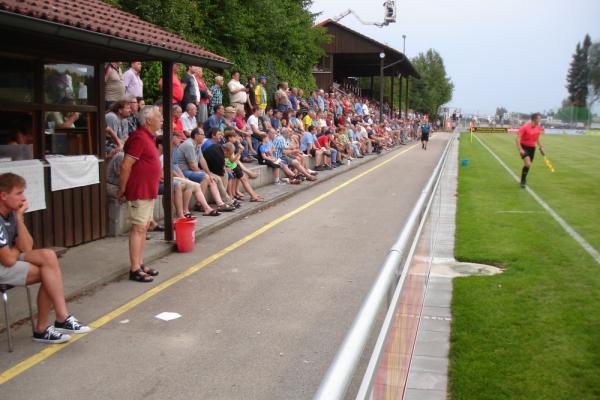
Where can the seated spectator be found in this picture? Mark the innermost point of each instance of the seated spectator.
(276, 119)
(231, 163)
(177, 125)
(307, 146)
(21, 265)
(241, 129)
(228, 118)
(183, 188)
(323, 143)
(188, 119)
(284, 151)
(215, 160)
(133, 121)
(117, 128)
(257, 135)
(189, 157)
(216, 119)
(265, 157)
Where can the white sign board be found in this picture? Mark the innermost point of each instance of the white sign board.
(68, 172)
(33, 173)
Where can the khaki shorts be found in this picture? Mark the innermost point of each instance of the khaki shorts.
(186, 184)
(140, 211)
(15, 275)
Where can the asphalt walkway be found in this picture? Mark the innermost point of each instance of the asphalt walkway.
(264, 304)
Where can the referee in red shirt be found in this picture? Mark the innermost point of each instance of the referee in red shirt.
(529, 136)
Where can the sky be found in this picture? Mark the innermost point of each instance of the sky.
(510, 53)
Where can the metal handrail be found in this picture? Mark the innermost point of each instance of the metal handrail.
(339, 375)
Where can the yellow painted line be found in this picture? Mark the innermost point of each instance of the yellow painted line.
(52, 349)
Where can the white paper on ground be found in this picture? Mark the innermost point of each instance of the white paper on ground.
(168, 316)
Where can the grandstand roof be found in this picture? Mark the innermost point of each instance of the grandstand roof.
(358, 55)
(99, 30)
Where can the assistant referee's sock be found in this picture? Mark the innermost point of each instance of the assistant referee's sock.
(524, 173)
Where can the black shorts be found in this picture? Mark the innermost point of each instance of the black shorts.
(238, 172)
(529, 152)
(271, 164)
(312, 152)
(424, 137)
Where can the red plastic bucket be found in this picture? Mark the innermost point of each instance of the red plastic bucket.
(185, 234)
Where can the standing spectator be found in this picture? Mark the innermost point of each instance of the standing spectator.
(293, 95)
(238, 95)
(260, 94)
(251, 94)
(117, 126)
(191, 91)
(282, 100)
(21, 265)
(205, 96)
(188, 119)
(139, 179)
(177, 87)
(134, 86)
(216, 98)
(114, 85)
(321, 100)
(302, 103)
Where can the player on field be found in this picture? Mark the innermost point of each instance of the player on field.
(528, 137)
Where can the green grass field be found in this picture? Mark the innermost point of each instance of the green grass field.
(532, 332)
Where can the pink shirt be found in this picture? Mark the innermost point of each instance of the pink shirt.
(529, 135)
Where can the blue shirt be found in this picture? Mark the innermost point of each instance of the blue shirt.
(265, 147)
(307, 139)
(275, 123)
(212, 122)
(279, 146)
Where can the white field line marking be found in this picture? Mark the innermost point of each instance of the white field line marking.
(572, 232)
(516, 212)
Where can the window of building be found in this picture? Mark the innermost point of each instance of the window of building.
(16, 80)
(68, 84)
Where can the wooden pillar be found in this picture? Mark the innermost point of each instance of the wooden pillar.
(406, 99)
(392, 98)
(372, 88)
(167, 94)
(39, 119)
(100, 118)
(400, 95)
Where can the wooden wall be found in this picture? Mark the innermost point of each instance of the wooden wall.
(72, 216)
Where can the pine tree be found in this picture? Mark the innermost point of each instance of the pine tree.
(578, 77)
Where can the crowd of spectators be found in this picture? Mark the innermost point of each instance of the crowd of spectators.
(219, 130)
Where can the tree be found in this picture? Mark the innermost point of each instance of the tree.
(578, 76)
(276, 39)
(594, 72)
(434, 88)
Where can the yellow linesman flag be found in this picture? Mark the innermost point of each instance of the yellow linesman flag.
(548, 164)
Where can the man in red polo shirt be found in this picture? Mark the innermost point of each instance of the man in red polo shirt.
(139, 179)
(528, 137)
